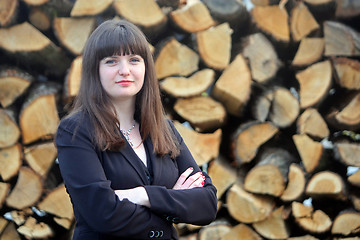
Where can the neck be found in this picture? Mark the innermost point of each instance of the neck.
(125, 113)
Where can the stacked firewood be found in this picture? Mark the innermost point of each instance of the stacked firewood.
(266, 94)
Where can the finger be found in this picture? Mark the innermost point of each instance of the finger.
(198, 183)
(183, 177)
(192, 179)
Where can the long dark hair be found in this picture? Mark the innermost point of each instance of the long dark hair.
(119, 37)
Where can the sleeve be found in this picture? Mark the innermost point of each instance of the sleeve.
(195, 206)
(93, 198)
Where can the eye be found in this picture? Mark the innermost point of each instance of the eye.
(135, 59)
(109, 61)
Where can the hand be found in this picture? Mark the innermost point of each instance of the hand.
(136, 195)
(186, 182)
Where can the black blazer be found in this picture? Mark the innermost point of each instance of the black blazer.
(91, 176)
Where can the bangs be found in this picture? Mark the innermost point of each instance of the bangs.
(120, 41)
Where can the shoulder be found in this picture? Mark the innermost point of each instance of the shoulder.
(174, 130)
(72, 123)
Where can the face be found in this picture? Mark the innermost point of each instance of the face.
(122, 77)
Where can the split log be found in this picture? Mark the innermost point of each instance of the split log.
(214, 46)
(27, 44)
(204, 113)
(222, 176)
(340, 40)
(306, 237)
(260, 107)
(285, 108)
(13, 83)
(248, 207)
(347, 115)
(312, 221)
(326, 184)
(275, 226)
(249, 138)
(10, 233)
(39, 116)
(231, 11)
(10, 161)
(346, 223)
(73, 33)
(3, 223)
(315, 82)
(312, 123)
(9, 130)
(302, 22)
(265, 2)
(146, 14)
(347, 73)
(241, 231)
(89, 7)
(347, 9)
(58, 203)
(175, 58)
(272, 20)
(34, 230)
(183, 87)
(233, 88)
(72, 80)
(27, 191)
(4, 191)
(310, 51)
(355, 200)
(36, 2)
(348, 153)
(296, 184)
(310, 151)
(8, 12)
(214, 232)
(203, 147)
(41, 157)
(192, 17)
(19, 216)
(354, 179)
(264, 61)
(40, 18)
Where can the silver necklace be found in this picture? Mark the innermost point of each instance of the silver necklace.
(127, 134)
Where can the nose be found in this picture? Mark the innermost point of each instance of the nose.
(123, 68)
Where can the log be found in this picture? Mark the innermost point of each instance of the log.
(302, 22)
(72, 80)
(264, 61)
(347, 9)
(19, 216)
(340, 40)
(312, 221)
(241, 231)
(260, 107)
(315, 82)
(175, 58)
(272, 20)
(354, 179)
(40, 18)
(347, 115)
(204, 113)
(306, 237)
(39, 116)
(40, 157)
(214, 232)
(195, 85)
(285, 108)
(346, 223)
(13, 83)
(233, 88)
(9, 130)
(29, 46)
(326, 184)
(310, 151)
(274, 227)
(73, 33)
(214, 46)
(8, 12)
(146, 14)
(312, 123)
(89, 7)
(296, 184)
(3, 223)
(4, 191)
(247, 207)
(222, 176)
(347, 73)
(203, 147)
(310, 51)
(192, 17)
(348, 153)
(36, 2)
(10, 161)
(249, 138)
(34, 230)
(10, 233)
(27, 191)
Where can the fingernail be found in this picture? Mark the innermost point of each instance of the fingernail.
(203, 183)
(203, 177)
(191, 168)
(200, 173)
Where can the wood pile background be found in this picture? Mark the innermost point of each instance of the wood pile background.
(269, 88)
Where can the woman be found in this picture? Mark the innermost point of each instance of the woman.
(127, 170)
